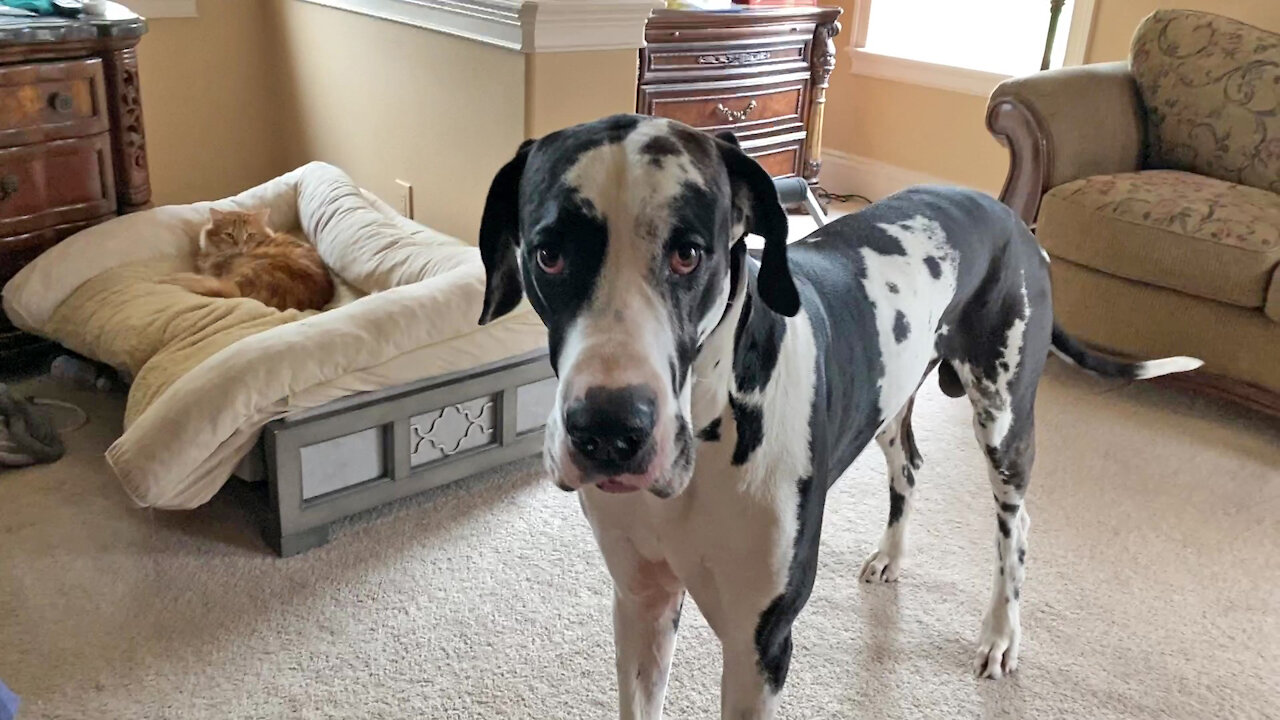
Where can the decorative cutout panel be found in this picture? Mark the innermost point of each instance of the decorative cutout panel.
(450, 430)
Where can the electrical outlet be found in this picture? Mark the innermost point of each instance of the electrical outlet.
(406, 198)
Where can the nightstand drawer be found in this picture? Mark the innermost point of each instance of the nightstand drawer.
(55, 183)
(779, 159)
(724, 106)
(51, 101)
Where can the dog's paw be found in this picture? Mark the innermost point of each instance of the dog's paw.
(880, 567)
(997, 654)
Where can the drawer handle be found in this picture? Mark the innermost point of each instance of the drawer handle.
(735, 115)
(8, 187)
(61, 102)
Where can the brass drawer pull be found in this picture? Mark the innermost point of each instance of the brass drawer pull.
(735, 115)
(8, 187)
(61, 102)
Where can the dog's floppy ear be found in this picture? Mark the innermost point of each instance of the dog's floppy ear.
(756, 197)
(499, 235)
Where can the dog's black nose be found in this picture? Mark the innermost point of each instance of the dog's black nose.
(611, 426)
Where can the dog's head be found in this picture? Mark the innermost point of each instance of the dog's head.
(623, 234)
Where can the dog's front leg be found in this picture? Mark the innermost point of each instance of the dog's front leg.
(647, 599)
(645, 618)
(746, 693)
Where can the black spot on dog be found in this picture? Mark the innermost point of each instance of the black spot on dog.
(773, 631)
(893, 441)
(935, 267)
(909, 475)
(1001, 571)
(1004, 526)
(1011, 508)
(1004, 366)
(1022, 556)
(750, 422)
(901, 328)
(892, 287)
(774, 644)
(1017, 593)
(896, 501)
(757, 342)
(710, 433)
(659, 147)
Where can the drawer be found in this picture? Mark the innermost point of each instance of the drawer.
(55, 183)
(723, 60)
(51, 101)
(779, 159)
(727, 106)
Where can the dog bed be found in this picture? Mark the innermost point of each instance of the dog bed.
(208, 374)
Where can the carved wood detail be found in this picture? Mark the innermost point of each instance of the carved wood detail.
(129, 141)
(823, 63)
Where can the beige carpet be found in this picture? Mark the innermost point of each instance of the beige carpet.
(1152, 589)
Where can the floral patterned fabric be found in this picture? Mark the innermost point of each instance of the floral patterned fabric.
(1211, 87)
(1225, 213)
(1174, 229)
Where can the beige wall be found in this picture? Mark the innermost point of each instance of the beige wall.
(567, 88)
(386, 101)
(251, 89)
(942, 133)
(206, 102)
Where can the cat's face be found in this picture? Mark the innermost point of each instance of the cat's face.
(234, 230)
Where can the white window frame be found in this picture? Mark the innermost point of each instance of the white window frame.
(950, 77)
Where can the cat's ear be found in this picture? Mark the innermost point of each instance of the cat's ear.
(499, 236)
(215, 214)
(262, 215)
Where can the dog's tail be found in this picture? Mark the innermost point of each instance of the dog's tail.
(203, 285)
(1069, 349)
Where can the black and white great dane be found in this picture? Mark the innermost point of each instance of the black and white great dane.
(706, 401)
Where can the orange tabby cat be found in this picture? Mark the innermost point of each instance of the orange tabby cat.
(239, 256)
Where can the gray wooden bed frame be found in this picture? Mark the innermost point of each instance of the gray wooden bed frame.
(361, 451)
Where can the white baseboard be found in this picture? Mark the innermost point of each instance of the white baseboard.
(843, 173)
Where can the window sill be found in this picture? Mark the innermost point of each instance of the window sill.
(916, 72)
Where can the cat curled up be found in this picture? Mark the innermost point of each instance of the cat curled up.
(240, 256)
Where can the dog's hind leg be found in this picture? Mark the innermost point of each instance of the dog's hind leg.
(1004, 422)
(903, 459)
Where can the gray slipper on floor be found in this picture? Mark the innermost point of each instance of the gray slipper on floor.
(27, 435)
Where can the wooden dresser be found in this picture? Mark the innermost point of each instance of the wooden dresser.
(760, 72)
(72, 149)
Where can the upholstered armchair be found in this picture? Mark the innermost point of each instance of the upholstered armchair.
(1154, 185)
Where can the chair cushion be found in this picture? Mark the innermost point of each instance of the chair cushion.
(1177, 230)
(1211, 86)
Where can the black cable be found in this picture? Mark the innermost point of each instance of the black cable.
(829, 196)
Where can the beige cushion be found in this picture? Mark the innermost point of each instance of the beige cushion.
(1178, 230)
(1211, 87)
(209, 373)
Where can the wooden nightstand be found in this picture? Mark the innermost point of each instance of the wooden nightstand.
(72, 148)
(760, 72)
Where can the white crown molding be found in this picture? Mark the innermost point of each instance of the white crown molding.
(532, 26)
(156, 9)
(845, 173)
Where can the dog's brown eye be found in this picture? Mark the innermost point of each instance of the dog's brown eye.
(550, 260)
(685, 259)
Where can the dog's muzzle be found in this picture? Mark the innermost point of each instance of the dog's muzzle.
(611, 433)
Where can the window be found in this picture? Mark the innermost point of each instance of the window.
(965, 45)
